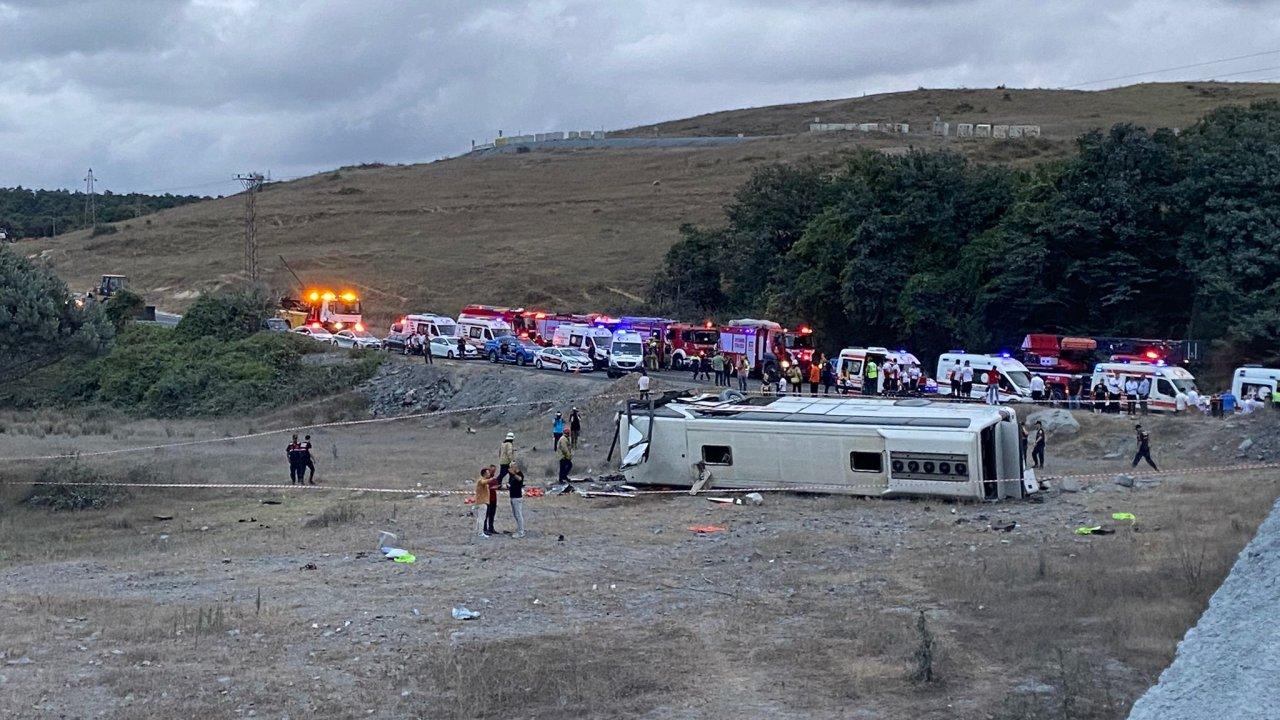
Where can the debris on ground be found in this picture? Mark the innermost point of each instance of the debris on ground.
(1094, 530)
(1125, 481)
(270, 502)
(1003, 526)
(310, 566)
(162, 518)
(708, 529)
(1124, 516)
(462, 613)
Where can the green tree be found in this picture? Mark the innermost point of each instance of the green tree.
(689, 282)
(1231, 219)
(224, 316)
(40, 323)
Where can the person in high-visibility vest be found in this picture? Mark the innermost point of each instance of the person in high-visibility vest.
(871, 383)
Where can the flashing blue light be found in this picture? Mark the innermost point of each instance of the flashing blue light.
(1005, 355)
(1160, 363)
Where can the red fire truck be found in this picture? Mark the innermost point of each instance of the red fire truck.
(685, 342)
(766, 345)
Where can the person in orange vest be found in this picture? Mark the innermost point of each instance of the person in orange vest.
(815, 377)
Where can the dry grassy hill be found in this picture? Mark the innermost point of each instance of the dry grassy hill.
(580, 229)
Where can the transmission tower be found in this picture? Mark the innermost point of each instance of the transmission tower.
(252, 182)
(90, 201)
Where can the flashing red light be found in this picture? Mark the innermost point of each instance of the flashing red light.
(315, 325)
(524, 335)
(708, 324)
(1153, 355)
(541, 316)
(805, 330)
(359, 327)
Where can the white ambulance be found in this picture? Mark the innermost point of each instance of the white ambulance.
(1248, 380)
(477, 331)
(1012, 376)
(626, 354)
(850, 368)
(1166, 380)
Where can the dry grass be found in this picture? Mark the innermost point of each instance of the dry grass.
(807, 606)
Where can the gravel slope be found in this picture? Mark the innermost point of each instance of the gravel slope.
(1226, 667)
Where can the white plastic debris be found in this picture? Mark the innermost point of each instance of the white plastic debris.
(462, 613)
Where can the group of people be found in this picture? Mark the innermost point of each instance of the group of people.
(1035, 439)
(721, 370)
(490, 483)
(565, 435)
(300, 462)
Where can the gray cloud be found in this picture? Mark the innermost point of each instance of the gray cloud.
(159, 94)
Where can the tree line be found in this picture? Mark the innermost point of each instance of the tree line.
(1139, 233)
(35, 213)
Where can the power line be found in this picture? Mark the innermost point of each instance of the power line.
(1244, 72)
(1171, 69)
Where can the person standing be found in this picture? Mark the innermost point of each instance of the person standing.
(1144, 448)
(515, 489)
(954, 375)
(828, 376)
(1228, 404)
(890, 372)
(308, 462)
(966, 380)
(651, 354)
(557, 429)
(993, 391)
(1131, 396)
(1023, 444)
(462, 348)
(491, 507)
(575, 427)
(795, 379)
(815, 377)
(427, 358)
(506, 456)
(705, 366)
(1037, 448)
(871, 378)
(1144, 393)
(1037, 388)
(642, 384)
(717, 366)
(695, 362)
(565, 452)
(744, 370)
(294, 452)
(481, 502)
(730, 371)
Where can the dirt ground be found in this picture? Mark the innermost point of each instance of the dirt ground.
(806, 606)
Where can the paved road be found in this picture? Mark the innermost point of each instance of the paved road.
(167, 319)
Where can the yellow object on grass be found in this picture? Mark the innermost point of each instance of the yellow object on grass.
(1124, 516)
(406, 558)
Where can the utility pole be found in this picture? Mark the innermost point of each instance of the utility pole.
(90, 201)
(252, 182)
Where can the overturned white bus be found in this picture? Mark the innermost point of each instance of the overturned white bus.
(836, 445)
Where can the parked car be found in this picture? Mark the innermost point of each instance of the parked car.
(510, 349)
(564, 360)
(356, 339)
(315, 331)
(275, 324)
(447, 347)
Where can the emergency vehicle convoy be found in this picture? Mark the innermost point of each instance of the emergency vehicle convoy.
(1060, 360)
(1165, 382)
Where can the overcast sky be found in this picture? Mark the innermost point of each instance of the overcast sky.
(178, 95)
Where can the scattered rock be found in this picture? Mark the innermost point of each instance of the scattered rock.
(1069, 485)
(1055, 421)
(310, 566)
(1245, 445)
(1124, 481)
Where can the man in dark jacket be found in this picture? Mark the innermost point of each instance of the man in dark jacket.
(297, 467)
